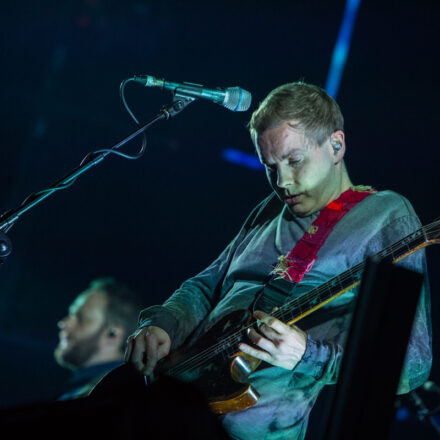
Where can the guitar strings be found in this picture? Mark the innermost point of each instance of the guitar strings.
(296, 302)
(234, 338)
(199, 359)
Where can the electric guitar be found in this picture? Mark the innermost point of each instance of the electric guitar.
(221, 369)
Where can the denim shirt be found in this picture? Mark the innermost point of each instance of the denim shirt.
(232, 281)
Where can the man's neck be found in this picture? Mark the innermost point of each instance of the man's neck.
(344, 183)
(103, 359)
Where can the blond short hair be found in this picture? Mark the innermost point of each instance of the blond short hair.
(308, 106)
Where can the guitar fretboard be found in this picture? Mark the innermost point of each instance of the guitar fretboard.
(299, 307)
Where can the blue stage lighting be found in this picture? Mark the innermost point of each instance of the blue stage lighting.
(334, 77)
(240, 158)
(342, 46)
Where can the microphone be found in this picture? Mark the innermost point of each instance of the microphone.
(233, 98)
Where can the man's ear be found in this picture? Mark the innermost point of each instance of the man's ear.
(337, 142)
(115, 332)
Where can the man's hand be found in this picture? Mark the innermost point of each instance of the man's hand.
(281, 345)
(145, 347)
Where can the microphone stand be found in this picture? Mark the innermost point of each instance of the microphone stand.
(8, 219)
(423, 413)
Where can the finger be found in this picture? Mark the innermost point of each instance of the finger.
(272, 322)
(163, 349)
(128, 348)
(151, 352)
(137, 353)
(262, 342)
(269, 332)
(259, 354)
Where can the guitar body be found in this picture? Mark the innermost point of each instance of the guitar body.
(220, 370)
(220, 373)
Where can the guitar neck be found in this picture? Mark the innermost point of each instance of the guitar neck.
(298, 308)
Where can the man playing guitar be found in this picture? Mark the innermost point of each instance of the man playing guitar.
(298, 134)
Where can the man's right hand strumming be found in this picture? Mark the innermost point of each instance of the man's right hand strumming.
(145, 347)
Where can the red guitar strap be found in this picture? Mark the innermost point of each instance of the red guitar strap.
(300, 259)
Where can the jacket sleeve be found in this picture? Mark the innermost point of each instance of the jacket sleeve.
(322, 358)
(197, 296)
(191, 302)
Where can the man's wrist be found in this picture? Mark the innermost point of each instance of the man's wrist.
(158, 317)
(314, 359)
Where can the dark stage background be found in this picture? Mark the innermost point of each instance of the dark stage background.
(156, 221)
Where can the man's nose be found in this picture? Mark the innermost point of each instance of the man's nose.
(284, 178)
(62, 323)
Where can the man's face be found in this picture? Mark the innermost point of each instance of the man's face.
(302, 173)
(81, 330)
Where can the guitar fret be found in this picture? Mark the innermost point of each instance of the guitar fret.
(392, 255)
(329, 289)
(282, 312)
(337, 283)
(425, 237)
(288, 315)
(354, 275)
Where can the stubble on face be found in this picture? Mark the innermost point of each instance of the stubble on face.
(81, 331)
(77, 355)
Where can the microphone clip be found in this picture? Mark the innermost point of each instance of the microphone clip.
(180, 102)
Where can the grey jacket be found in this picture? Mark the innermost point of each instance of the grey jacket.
(237, 275)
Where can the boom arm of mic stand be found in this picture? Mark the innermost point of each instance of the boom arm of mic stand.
(8, 219)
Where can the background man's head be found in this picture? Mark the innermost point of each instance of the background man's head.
(97, 325)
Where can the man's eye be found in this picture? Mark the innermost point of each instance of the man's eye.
(79, 317)
(294, 162)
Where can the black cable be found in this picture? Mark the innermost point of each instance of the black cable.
(91, 155)
(130, 112)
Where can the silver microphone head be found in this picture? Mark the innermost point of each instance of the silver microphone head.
(237, 99)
